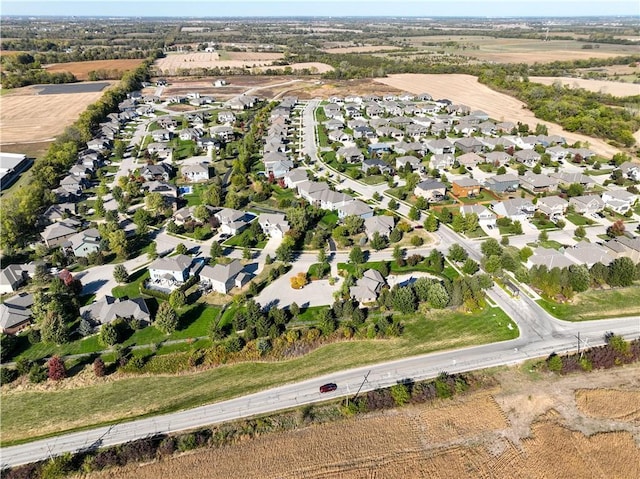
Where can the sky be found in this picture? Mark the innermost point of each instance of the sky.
(335, 8)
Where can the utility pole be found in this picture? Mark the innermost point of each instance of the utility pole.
(362, 384)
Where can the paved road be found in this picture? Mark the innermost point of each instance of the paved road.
(306, 392)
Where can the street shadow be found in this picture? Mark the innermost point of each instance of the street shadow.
(93, 286)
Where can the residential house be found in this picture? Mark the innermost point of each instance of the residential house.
(566, 179)
(403, 147)
(73, 184)
(332, 110)
(350, 154)
(340, 136)
(368, 287)
(629, 247)
(493, 143)
(550, 258)
(12, 277)
(15, 313)
(167, 190)
(442, 161)
(630, 170)
(379, 148)
(334, 124)
(431, 190)
(57, 233)
(440, 147)
(528, 158)
(390, 132)
(583, 153)
(364, 132)
(516, 209)
(223, 133)
(497, 158)
(57, 212)
(161, 135)
(186, 214)
(558, 153)
(417, 130)
(486, 217)
(163, 150)
(412, 161)
(226, 117)
(242, 102)
(190, 134)
(84, 243)
(196, 172)
(274, 225)
(167, 122)
(553, 206)
(355, 208)
(159, 172)
(465, 187)
(374, 163)
(538, 182)
(108, 309)
(587, 204)
(232, 221)
(170, 271)
(383, 225)
(505, 126)
(469, 160)
(294, 177)
(469, 145)
(589, 254)
(619, 201)
(221, 278)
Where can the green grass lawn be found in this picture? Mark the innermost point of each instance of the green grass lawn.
(373, 180)
(330, 219)
(482, 197)
(317, 271)
(578, 219)
(597, 304)
(239, 240)
(131, 289)
(32, 414)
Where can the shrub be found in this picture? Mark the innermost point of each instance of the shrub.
(23, 366)
(99, 368)
(34, 336)
(554, 363)
(37, 374)
(8, 375)
(400, 394)
(167, 447)
(56, 368)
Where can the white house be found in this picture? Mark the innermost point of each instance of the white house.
(170, 271)
(619, 201)
(196, 172)
(274, 225)
(486, 217)
(223, 277)
(516, 209)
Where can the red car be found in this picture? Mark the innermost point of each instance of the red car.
(327, 388)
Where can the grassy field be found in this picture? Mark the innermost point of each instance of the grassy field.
(579, 220)
(36, 413)
(597, 305)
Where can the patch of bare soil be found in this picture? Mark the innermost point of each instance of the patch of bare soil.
(600, 86)
(527, 427)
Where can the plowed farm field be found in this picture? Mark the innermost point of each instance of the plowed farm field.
(466, 89)
(614, 88)
(81, 69)
(174, 62)
(27, 117)
(526, 427)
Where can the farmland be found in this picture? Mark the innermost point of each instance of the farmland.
(81, 69)
(174, 62)
(611, 87)
(467, 90)
(27, 117)
(525, 427)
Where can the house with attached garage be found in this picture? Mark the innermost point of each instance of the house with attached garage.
(432, 190)
(469, 145)
(74, 184)
(383, 225)
(619, 201)
(493, 143)
(528, 158)
(497, 158)
(413, 162)
(223, 133)
(379, 148)
(58, 233)
(374, 164)
(486, 217)
(108, 309)
(274, 225)
(538, 182)
(12, 277)
(627, 247)
(294, 177)
(186, 214)
(232, 221)
(339, 135)
(161, 135)
(469, 160)
(630, 170)
(160, 172)
(332, 110)
(558, 152)
(553, 206)
(442, 162)
(364, 132)
(368, 287)
(587, 204)
(589, 254)
(350, 154)
(196, 172)
(221, 278)
(355, 208)
(440, 147)
(566, 179)
(84, 243)
(163, 150)
(170, 271)
(465, 187)
(550, 258)
(190, 134)
(516, 209)
(404, 147)
(226, 117)
(15, 313)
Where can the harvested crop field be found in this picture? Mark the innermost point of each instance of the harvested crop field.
(313, 67)
(610, 403)
(364, 49)
(26, 116)
(81, 69)
(172, 63)
(526, 427)
(467, 90)
(611, 87)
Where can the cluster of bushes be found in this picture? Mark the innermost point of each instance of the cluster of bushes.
(615, 352)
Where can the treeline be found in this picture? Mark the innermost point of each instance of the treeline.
(20, 211)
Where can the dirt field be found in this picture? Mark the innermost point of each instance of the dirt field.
(314, 67)
(611, 87)
(610, 403)
(527, 427)
(28, 117)
(174, 61)
(467, 90)
(81, 69)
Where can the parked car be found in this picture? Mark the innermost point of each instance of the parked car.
(327, 388)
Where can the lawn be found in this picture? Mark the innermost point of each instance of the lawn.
(32, 414)
(483, 197)
(319, 271)
(330, 219)
(551, 244)
(597, 304)
(374, 180)
(131, 289)
(578, 219)
(244, 238)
